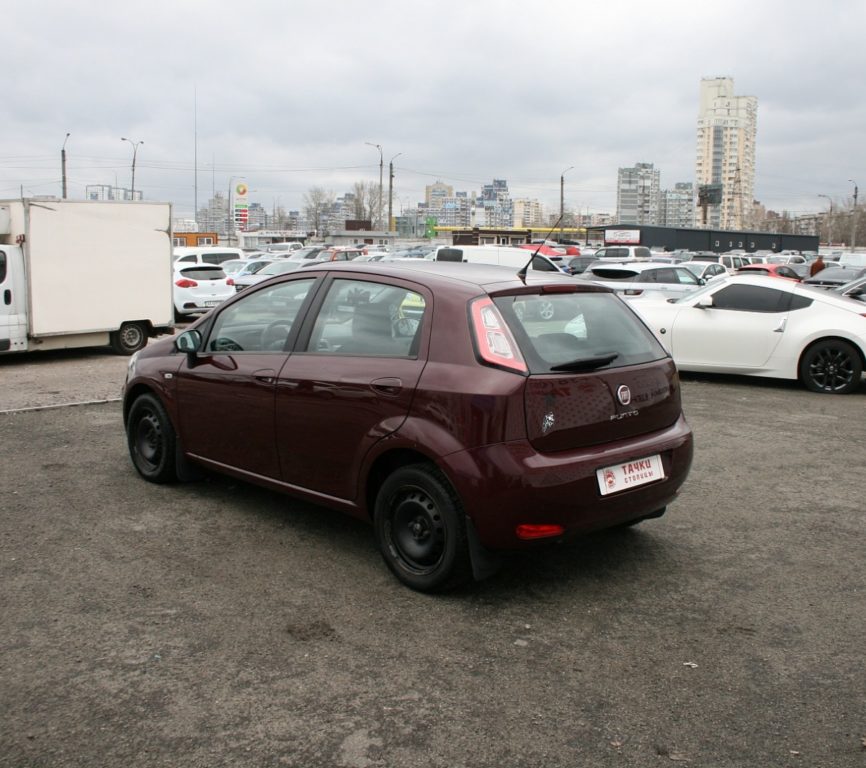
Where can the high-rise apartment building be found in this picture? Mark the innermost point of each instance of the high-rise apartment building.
(677, 206)
(637, 194)
(725, 163)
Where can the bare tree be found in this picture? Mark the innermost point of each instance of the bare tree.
(365, 193)
(317, 201)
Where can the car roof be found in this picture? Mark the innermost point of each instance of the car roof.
(438, 274)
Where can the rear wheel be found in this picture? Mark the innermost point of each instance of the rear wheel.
(832, 366)
(129, 338)
(420, 529)
(151, 439)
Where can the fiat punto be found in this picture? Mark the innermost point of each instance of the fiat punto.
(428, 398)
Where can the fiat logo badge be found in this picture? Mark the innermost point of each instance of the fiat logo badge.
(623, 394)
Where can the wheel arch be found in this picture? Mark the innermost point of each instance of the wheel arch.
(832, 337)
(385, 464)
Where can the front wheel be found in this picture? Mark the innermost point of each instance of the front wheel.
(151, 440)
(420, 529)
(129, 338)
(832, 366)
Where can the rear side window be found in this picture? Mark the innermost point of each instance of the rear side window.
(642, 253)
(605, 273)
(572, 332)
(362, 318)
(540, 264)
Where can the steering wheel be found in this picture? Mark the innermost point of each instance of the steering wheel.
(225, 344)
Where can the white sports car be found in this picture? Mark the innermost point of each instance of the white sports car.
(764, 326)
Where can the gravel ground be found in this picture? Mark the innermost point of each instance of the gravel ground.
(218, 624)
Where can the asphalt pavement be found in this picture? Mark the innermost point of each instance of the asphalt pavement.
(219, 624)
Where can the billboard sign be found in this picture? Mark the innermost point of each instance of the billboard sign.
(622, 237)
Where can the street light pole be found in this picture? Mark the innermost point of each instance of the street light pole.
(829, 220)
(381, 166)
(134, 153)
(854, 217)
(562, 198)
(391, 188)
(63, 164)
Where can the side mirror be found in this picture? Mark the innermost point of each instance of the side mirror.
(701, 281)
(705, 302)
(190, 343)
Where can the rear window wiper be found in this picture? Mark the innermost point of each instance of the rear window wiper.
(586, 363)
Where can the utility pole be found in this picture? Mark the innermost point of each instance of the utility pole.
(63, 164)
(391, 188)
(854, 217)
(381, 165)
(134, 153)
(562, 198)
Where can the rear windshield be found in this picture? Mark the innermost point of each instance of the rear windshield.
(575, 329)
(203, 273)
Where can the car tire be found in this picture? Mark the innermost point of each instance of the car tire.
(151, 439)
(129, 338)
(832, 366)
(421, 530)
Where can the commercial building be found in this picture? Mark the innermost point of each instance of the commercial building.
(725, 162)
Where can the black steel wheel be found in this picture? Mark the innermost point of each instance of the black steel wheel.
(151, 439)
(420, 529)
(129, 338)
(832, 366)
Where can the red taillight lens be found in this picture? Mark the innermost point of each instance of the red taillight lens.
(526, 531)
(493, 340)
(185, 282)
(229, 281)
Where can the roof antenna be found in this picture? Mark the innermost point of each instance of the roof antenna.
(523, 270)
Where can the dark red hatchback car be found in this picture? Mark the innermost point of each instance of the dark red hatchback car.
(430, 398)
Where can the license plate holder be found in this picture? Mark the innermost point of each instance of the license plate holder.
(630, 474)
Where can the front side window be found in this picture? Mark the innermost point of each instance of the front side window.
(751, 298)
(261, 321)
(364, 318)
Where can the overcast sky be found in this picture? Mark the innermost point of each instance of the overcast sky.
(285, 94)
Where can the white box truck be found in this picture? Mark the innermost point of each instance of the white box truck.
(84, 274)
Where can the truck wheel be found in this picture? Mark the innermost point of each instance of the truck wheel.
(129, 338)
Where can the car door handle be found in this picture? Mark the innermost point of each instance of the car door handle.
(387, 386)
(7, 297)
(265, 375)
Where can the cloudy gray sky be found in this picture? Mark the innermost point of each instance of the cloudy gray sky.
(285, 94)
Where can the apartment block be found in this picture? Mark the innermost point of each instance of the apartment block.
(677, 206)
(637, 194)
(725, 162)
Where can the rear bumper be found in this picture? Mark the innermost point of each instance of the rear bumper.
(505, 485)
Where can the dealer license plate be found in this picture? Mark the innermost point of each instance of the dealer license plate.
(629, 474)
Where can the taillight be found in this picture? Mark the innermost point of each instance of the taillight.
(185, 282)
(493, 341)
(528, 532)
(230, 281)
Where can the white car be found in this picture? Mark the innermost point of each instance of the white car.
(764, 326)
(199, 288)
(643, 278)
(705, 270)
(276, 267)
